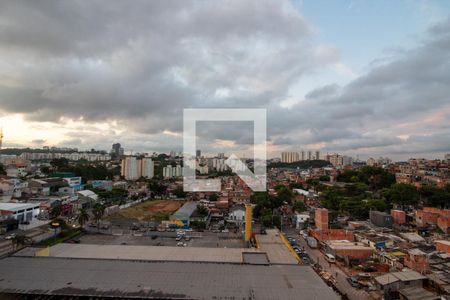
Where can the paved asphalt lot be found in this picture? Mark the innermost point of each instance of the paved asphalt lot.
(155, 238)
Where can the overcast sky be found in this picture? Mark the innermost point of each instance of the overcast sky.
(367, 78)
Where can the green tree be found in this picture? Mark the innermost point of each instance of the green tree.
(213, 197)
(60, 164)
(313, 182)
(2, 170)
(156, 187)
(331, 199)
(300, 206)
(179, 192)
(296, 185)
(324, 178)
(83, 217)
(266, 220)
(98, 211)
(285, 194)
(376, 178)
(402, 194)
(198, 225)
(202, 211)
(20, 240)
(441, 198)
(56, 211)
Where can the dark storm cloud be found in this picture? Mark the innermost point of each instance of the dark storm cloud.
(366, 113)
(141, 64)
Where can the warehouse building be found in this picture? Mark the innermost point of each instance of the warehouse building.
(127, 279)
(21, 212)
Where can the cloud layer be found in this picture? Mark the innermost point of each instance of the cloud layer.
(136, 67)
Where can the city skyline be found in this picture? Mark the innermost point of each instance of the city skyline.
(380, 91)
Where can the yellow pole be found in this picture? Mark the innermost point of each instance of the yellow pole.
(248, 222)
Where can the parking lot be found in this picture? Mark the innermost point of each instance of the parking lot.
(205, 239)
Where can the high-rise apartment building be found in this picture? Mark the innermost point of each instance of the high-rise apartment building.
(117, 150)
(130, 168)
(147, 167)
(347, 160)
(317, 156)
(133, 168)
(289, 157)
(371, 162)
(171, 172)
(339, 160)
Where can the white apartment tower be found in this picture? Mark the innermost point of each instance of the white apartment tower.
(147, 168)
(130, 168)
(317, 154)
(289, 157)
(133, 168)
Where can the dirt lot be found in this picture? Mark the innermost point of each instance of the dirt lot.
(147, 211)
(164, 206)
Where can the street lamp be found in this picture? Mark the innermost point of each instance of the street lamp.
(55, 225)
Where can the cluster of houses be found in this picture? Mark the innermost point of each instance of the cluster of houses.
(406, 257)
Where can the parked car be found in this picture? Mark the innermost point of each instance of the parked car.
(11, 236)
(330, 258)
(369, 269)
(306, 261)
(353, 281)
(74, 241)
(154, 237)
(304, 255)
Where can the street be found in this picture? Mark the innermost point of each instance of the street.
(341, 278)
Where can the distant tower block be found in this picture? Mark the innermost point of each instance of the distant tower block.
(248, 222)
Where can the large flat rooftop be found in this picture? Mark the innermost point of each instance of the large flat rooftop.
(276, 250)
(150, 253)
(169, 280)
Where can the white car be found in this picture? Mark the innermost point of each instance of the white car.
(10, 237)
